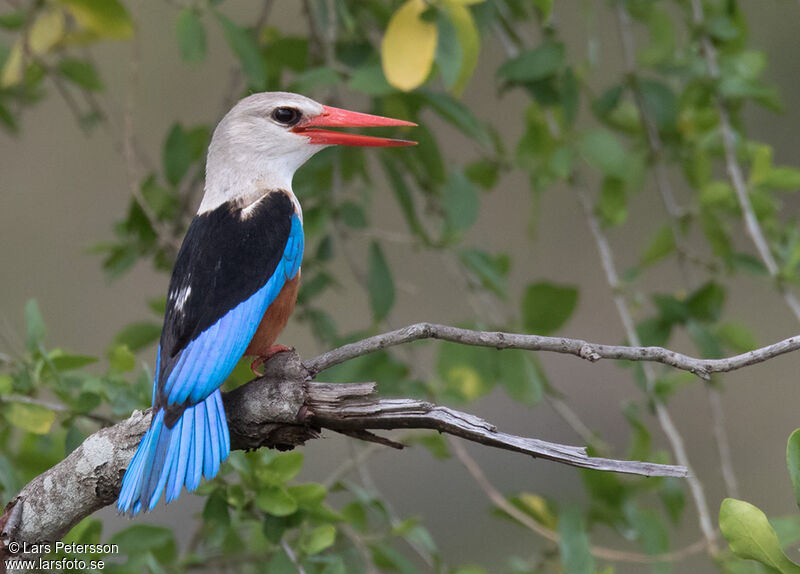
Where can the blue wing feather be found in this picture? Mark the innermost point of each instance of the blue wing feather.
(196, 444)
(207, 361)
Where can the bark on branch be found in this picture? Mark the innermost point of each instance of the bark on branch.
(280, 410)
(592, 352)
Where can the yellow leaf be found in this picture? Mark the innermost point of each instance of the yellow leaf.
(468, 38)
(32, 418)
(408, 47)
(540, 510)
(46, 32)
(467, 380)
(14, 67)
(103, 18)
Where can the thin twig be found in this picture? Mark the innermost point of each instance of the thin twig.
(292, 556)
(501, 502)
(653, 140)
(675, 213)
(723, 444)
(578, 347)
(662, 414)
(734, 170)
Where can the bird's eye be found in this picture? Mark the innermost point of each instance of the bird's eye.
(286, 116)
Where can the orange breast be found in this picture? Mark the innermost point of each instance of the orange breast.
(275, 319)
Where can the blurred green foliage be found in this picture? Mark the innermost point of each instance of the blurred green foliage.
(414, 59)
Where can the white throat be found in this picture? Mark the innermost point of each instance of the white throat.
(245, 181)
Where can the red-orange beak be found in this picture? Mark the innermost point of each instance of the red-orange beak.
(336, 117)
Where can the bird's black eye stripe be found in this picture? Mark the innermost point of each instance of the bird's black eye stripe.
(286, 116)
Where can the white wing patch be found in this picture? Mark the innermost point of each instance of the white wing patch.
(179, 299)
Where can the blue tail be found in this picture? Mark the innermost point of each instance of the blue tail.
(169, 458)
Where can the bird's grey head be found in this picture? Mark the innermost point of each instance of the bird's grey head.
(261, 142)
(254, 148)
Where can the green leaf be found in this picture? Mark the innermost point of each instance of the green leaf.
(369, 79)
(660, 103)
(81, 73)
(787, 528)
(793, 462)
(280, 563)
(521, 377)
(651, 533)
(276, 500)
(318, 539)
(737, 336)
(547, 306)
(353, 215)
(706, 341)
(315, 79)
(469, 41)
(783, 178)
(308, 495)
(673, 498)
(751, 537)
(216, 509)
(716, 234)
(6, 385)
(143, 538)
(29, 417)
(660, 246)
(13, 20)
(467, 372)
(461, 202)
(105, 18)
(531, 65)
(191, 35)
(404, 199)
(460, 116)
(435, 444)
(87, 531)
(602, 150)
(379, 283)
(612, 207)
(246, 50)
(34, 325)
(492, 270)
(448, 50)
(483, 172)
(121, 359)
(64, 362)
(574, 543)
(139, 335)
(286, 465)
(10, 479)
(662, 38)
(409, 46)
(706, 302)
(177, 155)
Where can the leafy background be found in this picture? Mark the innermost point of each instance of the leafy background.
(503, 250)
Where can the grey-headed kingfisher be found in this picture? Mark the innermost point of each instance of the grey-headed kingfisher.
(234, 284)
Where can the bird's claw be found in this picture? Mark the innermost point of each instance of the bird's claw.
(261, 359)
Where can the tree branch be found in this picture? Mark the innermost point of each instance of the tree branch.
(592, 352)
(279, 410)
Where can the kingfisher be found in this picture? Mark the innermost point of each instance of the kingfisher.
(234, 284)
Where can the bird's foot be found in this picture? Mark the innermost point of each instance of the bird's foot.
(271, 352)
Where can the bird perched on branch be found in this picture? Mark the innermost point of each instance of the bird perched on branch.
(234, 284)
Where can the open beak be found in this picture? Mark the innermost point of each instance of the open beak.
(336, 117)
